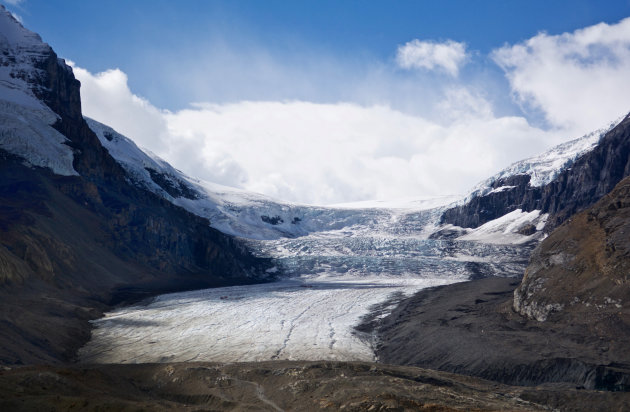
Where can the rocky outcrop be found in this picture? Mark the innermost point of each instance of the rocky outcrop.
(579, 186)
(581, 272)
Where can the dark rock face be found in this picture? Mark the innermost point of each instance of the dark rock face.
(576, 188)
(71, 246)
(273, 220)
(171, 184)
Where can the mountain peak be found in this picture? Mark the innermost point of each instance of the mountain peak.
(15, 36)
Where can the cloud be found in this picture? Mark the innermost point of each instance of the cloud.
(448, 56)
(578, 80)
(320, 153)
(17, 17)
(106, 95)
(326, 151)
(13, 2)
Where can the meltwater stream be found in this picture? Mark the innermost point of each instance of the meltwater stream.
(331, 279)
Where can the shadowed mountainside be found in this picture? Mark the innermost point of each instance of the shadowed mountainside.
(70, 246)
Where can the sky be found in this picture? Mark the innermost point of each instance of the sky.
(326, 102)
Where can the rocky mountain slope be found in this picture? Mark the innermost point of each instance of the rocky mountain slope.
(561, 182)
(567, 321)
(581, 272)
(75, 234)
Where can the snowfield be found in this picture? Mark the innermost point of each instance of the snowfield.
(27, 132)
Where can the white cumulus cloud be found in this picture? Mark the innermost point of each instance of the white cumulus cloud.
(448, 56)
(320, 153)
(579, 80)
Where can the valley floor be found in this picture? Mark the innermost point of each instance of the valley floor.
(470, 328)
(279, 386)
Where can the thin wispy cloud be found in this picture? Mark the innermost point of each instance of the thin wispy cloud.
(447, 56)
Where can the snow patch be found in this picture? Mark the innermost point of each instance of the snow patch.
(504, 230)
(27, 132)
(501, 189)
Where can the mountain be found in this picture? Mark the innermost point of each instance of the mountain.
(580, 273)
(232, 211)
(76, 234)
(568, 320)
(560, 182)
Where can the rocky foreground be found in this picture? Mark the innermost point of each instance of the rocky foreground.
(277, 386)
(471, 328)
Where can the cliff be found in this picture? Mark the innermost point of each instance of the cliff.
(581, 272)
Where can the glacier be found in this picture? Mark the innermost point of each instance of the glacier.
(330, 280)
(333, 267)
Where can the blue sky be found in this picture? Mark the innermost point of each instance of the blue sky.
(336, 101)
(135, 35)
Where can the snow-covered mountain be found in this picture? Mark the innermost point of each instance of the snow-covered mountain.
(246, 214)
(90, 219)
(25, 121)
(560, 182)
(545, 167)
(77, 236)
(27, 130)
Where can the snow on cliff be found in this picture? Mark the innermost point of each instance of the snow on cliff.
(242, 213)
(545, 167)
(25, 121)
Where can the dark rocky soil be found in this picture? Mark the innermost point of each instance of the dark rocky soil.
(471, 328)
(277, 386)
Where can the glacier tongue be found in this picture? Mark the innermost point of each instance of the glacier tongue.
(332, 280)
